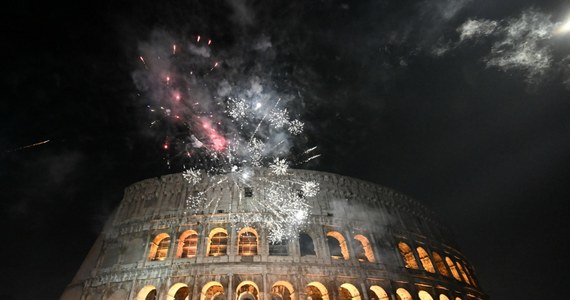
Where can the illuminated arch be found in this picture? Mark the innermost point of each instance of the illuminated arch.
(217, 242)
(408, 256)
(212, 290)
(470, 276)
(187, 244)
(366, 247)
(159, 247)
(463, 274)
(247, 242)
(247, 290)
(457, 298)
(316, 291)
(284, 290)
(452, 267)
(426, 261)
(403, 294)
(148, 292)
(440, 264)
(332, 238)
(353, 293)
(424, 295)
(443, 297)
(379, 292)
(178, 291)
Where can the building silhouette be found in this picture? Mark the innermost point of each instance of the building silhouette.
(363, 242)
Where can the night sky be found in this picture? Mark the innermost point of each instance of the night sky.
(462, 105)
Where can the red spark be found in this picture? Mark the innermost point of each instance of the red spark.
(217, 140)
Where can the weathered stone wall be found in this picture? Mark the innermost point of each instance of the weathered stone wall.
(120, 267)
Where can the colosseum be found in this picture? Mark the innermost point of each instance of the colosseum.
(362, 241)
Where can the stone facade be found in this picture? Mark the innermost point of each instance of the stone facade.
(364, 241)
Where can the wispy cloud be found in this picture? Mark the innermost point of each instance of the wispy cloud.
(523, 43)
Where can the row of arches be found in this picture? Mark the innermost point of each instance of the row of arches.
(435, 263)
(248, 242)
(282, 290)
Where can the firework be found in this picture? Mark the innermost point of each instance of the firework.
(219, 122)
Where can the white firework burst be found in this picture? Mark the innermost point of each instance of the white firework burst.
(279, 166)
(192, 176)
(310, 188)
(296, 127)
(237, 108)
(279, 118)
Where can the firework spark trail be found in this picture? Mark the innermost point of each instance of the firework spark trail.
(263, 119)
(28, 146)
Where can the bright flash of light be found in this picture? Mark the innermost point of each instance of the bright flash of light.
(564, 27)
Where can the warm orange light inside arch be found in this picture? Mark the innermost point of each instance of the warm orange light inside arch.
(321, 288)
(424, 295)
(217, 242)
(403, 294)
(187, 244)
(440, 264)
(174, 289)
(247, 241)
(426, 261)
(143, 293)
(211, 290)
(159, 247)
(443, 297)
(287, 285)
(380, 292)
(247, 287)
(355, 295)
(452, 267)
(408, 256)
(342, 242)
(366, 247)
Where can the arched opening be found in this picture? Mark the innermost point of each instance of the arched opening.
(440, 264)
(463, 274)
(348, 291)
(178, 291)
(457, 298)
(452, 267)
(148, 292)
(426, 261)
(364, 251)
(316, 291)
(187, 244)
(443, 297)
(282, 290)
(378, 293)
(403, 294)
(247, 242)
(337, 245)
(279, 248)
(212, 290)
(408, 256)
(306, 244)
(247, 290)
(424, 295)
(471, 279)
(218, 242)
(159, 247)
